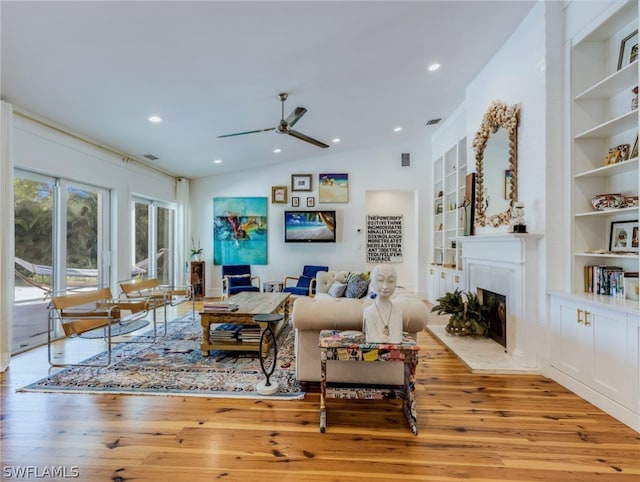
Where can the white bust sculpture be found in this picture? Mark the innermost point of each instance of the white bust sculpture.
(382, 321)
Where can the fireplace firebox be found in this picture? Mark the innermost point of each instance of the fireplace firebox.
(497, 316)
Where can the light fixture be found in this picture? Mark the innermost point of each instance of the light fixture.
(335, 140)
(397, 129)
(155, 119)
(433, 67)
(277, 150)
(217, 161)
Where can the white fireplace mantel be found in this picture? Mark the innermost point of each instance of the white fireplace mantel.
(508, 264)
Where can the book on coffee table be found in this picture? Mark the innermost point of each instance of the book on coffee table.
(216, 306)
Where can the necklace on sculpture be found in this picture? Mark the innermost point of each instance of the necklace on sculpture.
(385, 330)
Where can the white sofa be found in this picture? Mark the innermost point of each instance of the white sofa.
(323, 312)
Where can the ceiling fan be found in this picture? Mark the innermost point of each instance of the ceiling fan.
(284, 127)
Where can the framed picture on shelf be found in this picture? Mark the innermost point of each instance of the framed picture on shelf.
(613, 157)
(634, 149)
(295, 201)
(628, 50)
(631, 286)
(624, 237)
(279, 195)
(311, 202)
(301, 182)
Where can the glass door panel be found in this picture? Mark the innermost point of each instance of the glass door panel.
(141, 238)
(34, 198)
(82, 238)
(166, 244)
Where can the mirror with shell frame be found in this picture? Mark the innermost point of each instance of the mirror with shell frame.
(495, 145)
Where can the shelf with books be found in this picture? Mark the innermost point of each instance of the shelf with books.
(603, 119)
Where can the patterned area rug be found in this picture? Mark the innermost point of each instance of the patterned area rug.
(174, 365)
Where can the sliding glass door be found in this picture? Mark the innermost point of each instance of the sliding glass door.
(61, 231)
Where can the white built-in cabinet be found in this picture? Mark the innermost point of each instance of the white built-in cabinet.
(595, 352)
(449, 175)
(594, 349)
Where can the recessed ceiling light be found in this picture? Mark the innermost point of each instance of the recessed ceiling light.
(155, 119)
(217, 161)
(433, 67)
(336, 139)
(277, 150)
(397, 129)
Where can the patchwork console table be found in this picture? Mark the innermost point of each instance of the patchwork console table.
(345, 346)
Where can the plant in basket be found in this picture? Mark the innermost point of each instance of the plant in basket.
(468, 314)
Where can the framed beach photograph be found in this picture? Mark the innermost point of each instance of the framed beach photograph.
(333, 188)
(279, 195)
(295, 201)
(624, 237)
(301, 182)
(628, 50)
(311, 202)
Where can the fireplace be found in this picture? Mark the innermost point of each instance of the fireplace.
(508, 265)
(497, 316)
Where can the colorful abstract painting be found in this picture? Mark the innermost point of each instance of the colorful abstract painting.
(333, 188)
(239, 230)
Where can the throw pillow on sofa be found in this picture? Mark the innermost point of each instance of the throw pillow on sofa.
(337, 289)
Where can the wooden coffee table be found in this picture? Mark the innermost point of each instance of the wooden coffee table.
(249, 305)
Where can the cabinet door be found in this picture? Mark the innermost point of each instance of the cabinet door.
(568, 350)
(431, 285)
(611, 373)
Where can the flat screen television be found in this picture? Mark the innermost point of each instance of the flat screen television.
(310, 226)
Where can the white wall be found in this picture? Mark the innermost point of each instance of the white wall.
(50, 152)
(375, 169)
(516, 75)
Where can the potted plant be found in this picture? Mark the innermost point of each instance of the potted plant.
(196, 253)
(468, 314)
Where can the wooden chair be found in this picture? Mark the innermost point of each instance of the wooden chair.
(157, 294)
(82, 311)
(237, 278)
(306, 283)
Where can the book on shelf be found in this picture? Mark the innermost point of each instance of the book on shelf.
(219, 306)
(604, 280)
(225, 332)
(250, 334)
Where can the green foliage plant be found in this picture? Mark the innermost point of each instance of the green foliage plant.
(468, 314)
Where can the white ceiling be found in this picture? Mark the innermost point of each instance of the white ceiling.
(210, 68)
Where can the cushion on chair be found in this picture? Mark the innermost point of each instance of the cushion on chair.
(311, 271)
(239, 280)
(304, 282)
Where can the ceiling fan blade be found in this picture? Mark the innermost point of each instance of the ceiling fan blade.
(295, 116)
(306, 138)
(248, 132)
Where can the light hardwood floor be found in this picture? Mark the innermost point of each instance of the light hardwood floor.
(476, 428)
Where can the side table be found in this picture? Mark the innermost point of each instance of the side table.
(351, 345)
(269, 356)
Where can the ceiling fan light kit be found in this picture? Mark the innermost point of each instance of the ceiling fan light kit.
(284, 126)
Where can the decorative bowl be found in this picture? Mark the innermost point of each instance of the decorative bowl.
(630, 201)
(602, 202)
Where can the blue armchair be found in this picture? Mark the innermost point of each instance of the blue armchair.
(306, 284)
(237, 278)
